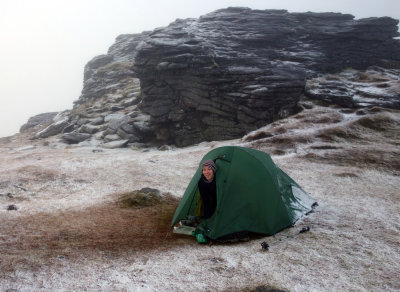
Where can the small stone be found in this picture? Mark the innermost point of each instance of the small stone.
(116, 144)
(12, 208)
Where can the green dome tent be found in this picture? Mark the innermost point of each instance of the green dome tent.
(253, 195)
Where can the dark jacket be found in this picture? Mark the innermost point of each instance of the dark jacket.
(208, 193)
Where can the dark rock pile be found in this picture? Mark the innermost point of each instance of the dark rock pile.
(354, 89)
(222, 75)
(38, 120)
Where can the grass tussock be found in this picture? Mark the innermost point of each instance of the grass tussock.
(336, 140)
(80, 110)
(371, 77)
(383, 160)
(38, 173)
(28, 241)
(262, 288)
(145, 197)
(303, 120)
(261, 134)
(281, 144)
(346, 174)
(338, 134)
(378, 122)
(322, 118)
(289, 141)
(325, 147)
(257, 136)
(319, 116)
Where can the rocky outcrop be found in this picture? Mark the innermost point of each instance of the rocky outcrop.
(237, 69)
(355, 89)
(107, 108)
(38, 120)
(60, 124)
(222, 75)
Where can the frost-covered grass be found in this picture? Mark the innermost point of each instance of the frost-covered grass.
(70, 233)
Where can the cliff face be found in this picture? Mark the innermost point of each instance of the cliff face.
(222, 75)
(237, 69)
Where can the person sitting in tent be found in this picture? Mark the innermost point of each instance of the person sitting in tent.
(208, 188)
(248, 194)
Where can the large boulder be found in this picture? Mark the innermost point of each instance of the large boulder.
(75, 137)
(60, 122)
(38, 120)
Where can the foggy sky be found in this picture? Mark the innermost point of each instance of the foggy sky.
(45, 44)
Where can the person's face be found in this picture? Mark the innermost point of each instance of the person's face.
(208, 173)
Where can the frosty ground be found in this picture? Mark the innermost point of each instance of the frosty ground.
(69, 231)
